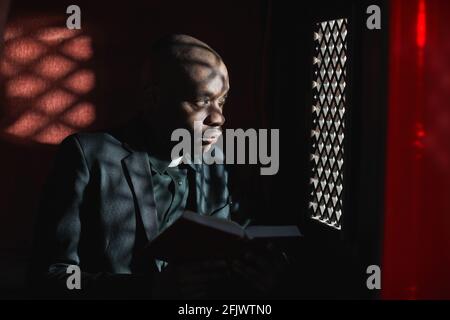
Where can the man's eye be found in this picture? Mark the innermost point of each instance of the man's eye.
(203, 102)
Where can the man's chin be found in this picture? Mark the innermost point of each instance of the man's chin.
(207, 147)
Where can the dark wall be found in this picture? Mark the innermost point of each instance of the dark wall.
(46, 94)
(42, 100)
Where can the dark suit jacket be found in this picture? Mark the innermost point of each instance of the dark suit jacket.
(98, 211)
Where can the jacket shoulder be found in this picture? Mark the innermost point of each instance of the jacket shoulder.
(95, 145)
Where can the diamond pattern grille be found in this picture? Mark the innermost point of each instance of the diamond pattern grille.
(328, 122)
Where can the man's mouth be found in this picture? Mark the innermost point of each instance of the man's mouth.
(207, 141)
(211, 137)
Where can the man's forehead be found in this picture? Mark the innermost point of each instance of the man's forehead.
(201, 72)
(208, 79)
(212, 88)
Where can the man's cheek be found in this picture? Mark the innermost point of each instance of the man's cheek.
(188, 115)
(195, 121)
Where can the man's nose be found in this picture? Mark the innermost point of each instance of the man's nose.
(215, 117)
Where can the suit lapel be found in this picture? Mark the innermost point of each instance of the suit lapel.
(137, 168)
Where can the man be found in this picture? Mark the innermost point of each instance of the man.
(110, 193)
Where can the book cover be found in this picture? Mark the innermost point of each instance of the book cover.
(193, 236)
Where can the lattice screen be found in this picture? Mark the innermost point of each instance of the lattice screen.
(328, 122)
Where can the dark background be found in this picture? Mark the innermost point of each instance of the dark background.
(268, 49)
(112, 41)
(397, 166)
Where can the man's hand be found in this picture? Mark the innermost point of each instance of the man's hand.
(262, 269)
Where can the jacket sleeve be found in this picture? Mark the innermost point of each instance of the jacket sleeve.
(58, 232)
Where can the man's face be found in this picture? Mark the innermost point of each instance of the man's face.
(198, 96)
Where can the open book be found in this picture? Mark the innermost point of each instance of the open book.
(193, 236)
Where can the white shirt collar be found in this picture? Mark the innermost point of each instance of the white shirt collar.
(176, 162)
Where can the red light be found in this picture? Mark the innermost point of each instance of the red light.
(47, 80)
(421, 25)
